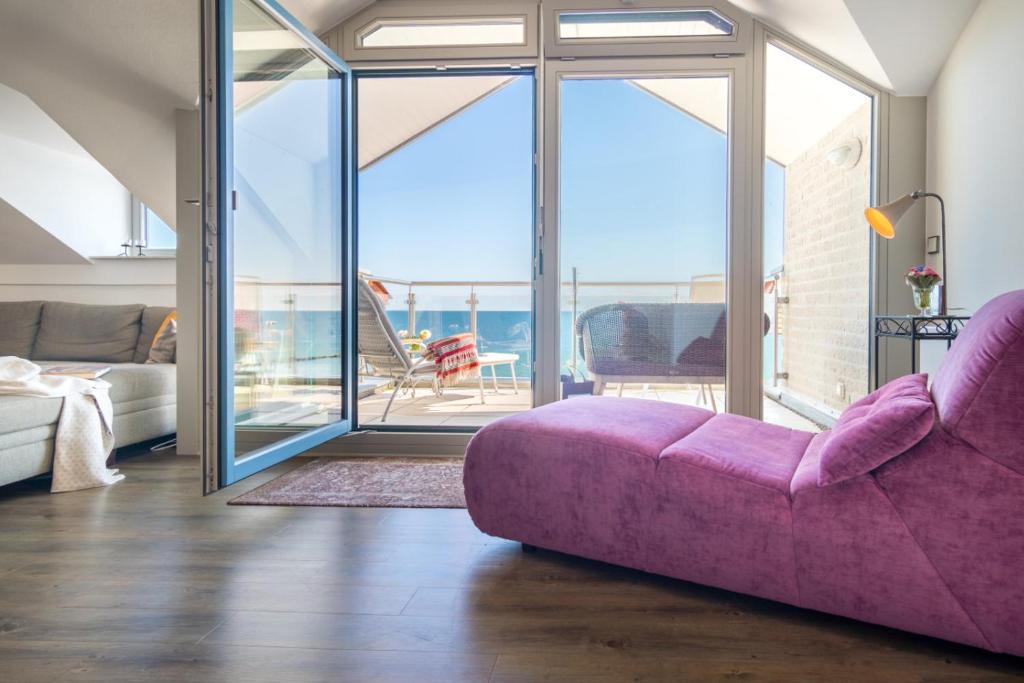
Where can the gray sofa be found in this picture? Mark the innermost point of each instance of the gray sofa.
(57, 333)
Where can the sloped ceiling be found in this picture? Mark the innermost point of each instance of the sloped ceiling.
(111, 73)
(899, 44)
(23, 242)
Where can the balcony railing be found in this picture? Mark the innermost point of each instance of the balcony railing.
(669, 291)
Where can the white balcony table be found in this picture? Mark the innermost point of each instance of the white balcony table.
(490, 360)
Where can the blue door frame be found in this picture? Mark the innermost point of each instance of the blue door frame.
(230, 468)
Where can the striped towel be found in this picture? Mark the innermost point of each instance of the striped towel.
(456, 359)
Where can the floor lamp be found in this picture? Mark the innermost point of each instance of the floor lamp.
(883, 220)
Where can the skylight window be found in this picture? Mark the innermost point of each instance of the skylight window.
(474, 31)
(648, 25)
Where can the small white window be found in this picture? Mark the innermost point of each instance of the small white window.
(461, 32)
(639, 24)
(149, 235)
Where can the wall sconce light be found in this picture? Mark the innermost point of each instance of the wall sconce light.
(847, 154)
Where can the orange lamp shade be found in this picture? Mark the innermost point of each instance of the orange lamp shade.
(879, 223)
(883, 219)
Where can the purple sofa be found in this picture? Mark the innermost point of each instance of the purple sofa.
(909, 513)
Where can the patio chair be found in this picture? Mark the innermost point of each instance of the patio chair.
(644, 343)
(382, 350)
(384, 355)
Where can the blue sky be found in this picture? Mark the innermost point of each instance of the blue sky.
(643, 192)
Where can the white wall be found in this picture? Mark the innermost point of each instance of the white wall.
(976, 160)
(147, 281)
(976, 154)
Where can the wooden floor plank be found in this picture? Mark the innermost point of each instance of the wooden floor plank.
(149, 581)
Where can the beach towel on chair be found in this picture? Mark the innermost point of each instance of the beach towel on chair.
(456, 359)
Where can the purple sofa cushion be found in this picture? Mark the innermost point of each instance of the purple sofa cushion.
(876, 429)
(741, 448)
(978, 388)
(576, 475)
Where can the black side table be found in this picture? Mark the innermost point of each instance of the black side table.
(916, 328)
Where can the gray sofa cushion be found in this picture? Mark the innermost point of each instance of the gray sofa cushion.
(133, 388)
(19, 322)
(137, 382)
(152, 317)
(18, 413)
(107, 334)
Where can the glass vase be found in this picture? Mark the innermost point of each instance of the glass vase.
(923, 299)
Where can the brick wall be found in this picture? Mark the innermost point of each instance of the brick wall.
(825, 324)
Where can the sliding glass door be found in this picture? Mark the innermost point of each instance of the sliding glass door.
(282, 240)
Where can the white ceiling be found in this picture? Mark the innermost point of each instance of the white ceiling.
(899, 44)
(112, 72)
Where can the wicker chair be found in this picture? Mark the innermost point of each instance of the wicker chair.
(382, 350)
(654, 344)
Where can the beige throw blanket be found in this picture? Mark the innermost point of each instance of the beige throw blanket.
(85, 433)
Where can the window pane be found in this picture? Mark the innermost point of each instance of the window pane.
(644, 187)
(445, 241)
(428, 33)
(816, 244)
(631, 24)
(159, 235)
(287, 252)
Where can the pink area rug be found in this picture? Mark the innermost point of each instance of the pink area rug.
(366, 482)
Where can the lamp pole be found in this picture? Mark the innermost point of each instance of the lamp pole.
(945, 274)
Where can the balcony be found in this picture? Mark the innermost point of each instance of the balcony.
(485, 309)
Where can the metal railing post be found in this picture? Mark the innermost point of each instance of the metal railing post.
(775, 333)
(575, 315)
(473, 301)
(412, 312)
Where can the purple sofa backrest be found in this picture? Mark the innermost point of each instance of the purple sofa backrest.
(979, 389)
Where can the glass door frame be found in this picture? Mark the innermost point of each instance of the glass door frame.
(743, 248)
(418, 70)
(220, 467)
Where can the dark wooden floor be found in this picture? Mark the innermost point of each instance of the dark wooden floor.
(148, 581)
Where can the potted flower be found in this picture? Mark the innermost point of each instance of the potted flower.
(922, 281)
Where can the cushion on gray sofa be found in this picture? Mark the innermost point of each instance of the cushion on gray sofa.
(20, 324)
(107, 334)
(152, 318)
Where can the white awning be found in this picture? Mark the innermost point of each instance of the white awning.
(394, 111)
(803, 104)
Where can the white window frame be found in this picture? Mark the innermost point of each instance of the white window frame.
(743, 306)
(136, 243)
(436, 12)
(738, 43)
(743, 52)
(878, 156)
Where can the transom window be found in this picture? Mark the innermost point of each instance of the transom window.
(470, 31)
(619, 24)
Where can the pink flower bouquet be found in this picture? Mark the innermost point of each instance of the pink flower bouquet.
(923, 277)
(922, 280)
